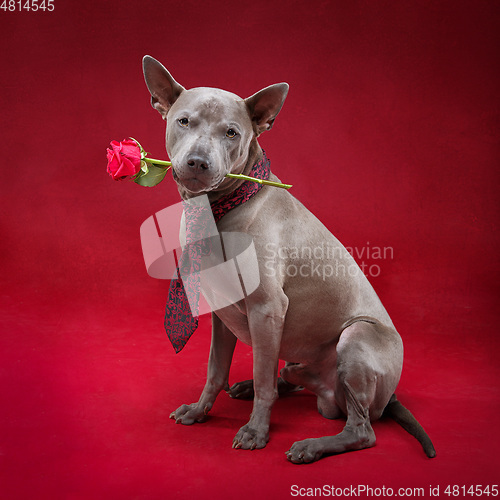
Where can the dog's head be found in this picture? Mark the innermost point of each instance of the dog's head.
(209, 131)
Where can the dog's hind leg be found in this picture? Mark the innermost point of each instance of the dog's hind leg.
(356, 435)
(369, 360)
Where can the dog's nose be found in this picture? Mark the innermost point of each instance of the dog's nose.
(197, 162)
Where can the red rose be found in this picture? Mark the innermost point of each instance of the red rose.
(124, 159)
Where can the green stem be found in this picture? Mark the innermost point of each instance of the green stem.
(168, 164)
(260, 181)
(157, 162)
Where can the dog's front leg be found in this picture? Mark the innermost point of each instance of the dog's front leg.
(266, 327)
(219, 362)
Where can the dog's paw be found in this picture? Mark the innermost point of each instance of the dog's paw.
(241, 390)
(304, 452)
(190, 414)
(245, 390)
(249, 438)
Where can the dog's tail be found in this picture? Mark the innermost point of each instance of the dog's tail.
(408, 422)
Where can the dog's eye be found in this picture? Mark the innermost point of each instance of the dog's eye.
(231, 133)
(183, 122)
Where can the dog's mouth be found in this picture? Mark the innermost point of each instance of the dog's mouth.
(197, 183)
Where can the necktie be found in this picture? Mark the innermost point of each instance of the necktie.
(181, 313)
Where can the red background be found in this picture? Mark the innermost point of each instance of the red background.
(389, 135)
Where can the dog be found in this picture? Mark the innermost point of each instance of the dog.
(334, 334)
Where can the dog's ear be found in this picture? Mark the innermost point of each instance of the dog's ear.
(163, 88)
(265, 105)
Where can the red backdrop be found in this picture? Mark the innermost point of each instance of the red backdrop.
(389, 135)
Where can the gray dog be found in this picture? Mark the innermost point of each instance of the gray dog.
(334, 334)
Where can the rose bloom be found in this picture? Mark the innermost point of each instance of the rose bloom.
(124, 159)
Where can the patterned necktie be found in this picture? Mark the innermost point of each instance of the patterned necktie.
(181, 314)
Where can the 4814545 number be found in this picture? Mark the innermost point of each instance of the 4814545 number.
(27, 5)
